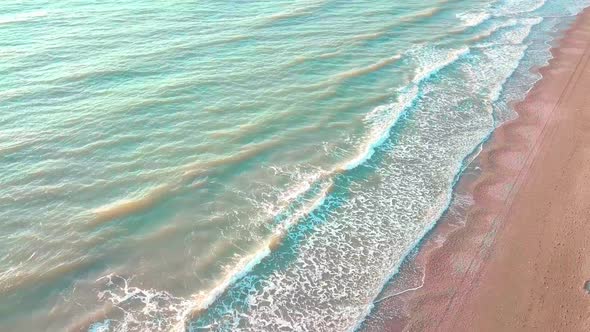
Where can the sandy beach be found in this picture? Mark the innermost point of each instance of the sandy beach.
(518, 258)
(288, 165)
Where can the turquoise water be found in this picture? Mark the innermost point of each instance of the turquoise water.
(227, 166)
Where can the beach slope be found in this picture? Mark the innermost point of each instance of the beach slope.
(522, 259)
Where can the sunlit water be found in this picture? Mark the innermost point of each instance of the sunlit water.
(239, 165)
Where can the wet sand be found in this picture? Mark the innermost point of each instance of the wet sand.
(518, 257)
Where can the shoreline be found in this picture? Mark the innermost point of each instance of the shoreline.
(481, 264)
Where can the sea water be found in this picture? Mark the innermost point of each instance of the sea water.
(240, 165)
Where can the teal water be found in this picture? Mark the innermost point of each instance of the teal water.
(239, 166)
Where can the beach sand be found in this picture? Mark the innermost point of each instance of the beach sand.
(519, 257)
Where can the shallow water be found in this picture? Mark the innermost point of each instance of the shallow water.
(237, 165)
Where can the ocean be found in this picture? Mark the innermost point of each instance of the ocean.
(240, 165)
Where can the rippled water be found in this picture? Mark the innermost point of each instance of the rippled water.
(238, 165)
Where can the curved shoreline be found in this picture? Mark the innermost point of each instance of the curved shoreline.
(462, 275)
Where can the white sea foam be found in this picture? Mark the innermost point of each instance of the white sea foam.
(410, 289)
(497, 76)
(145, 309)
(204, 299)
(100, 326)
(519, 7)
(495, 27)
(182, 310)
(381, 119)
(515, 38)
(362, 231)
(430, 62)
(471, 19)
(359, 233)
(302, 184)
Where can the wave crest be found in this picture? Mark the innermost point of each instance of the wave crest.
(23, 17)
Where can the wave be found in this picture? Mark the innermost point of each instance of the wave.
(444, 201)
(383, 118)
(302, 59)
(194, 175)
(369, 36)
(491, 31)
(380, 131)
(294, 13)
(516, 7)
(400, 21)
(417, 16)
(379, 33)
(409, 18)
(14, 146)
(288, 14)
(200, 302)
(89, 322)
(204, 300)
(439, 207)
(140, 307)
(367, 69)
(422, 73)
(471, 19)
(355, 72)
(521, 29)
(187, 309)
(13, 279)
(410, 289)
(514, 40)
(128, 206)
(433, 67)
(224, 40)
(23, 17)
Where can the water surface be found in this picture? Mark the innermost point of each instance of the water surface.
(227, 166)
